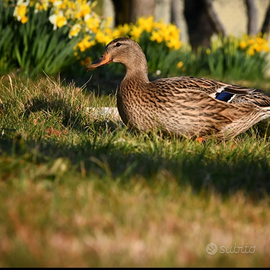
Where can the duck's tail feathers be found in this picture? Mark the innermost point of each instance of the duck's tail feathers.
(266, 112)
(267, 109)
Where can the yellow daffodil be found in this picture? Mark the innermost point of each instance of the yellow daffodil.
(24, 19)
(251, 51)
(58, 20)
(256, 47)
(156, 36)
(74, 31)
(57, 3)
(243, 44)
(86, 61)
(265, 47)
(180, 64)
(85, 44)
(166, 35)
(108, 22)
(136, 33)
(83, 10)
(146, 24)
(92, 23)
(108, 31)
(102, 37)
(124, 29)
(174, 44)
(260, 40)
(116, 33)
(251, 41)
(21, 10)
(252, 45)
(160, 25)
(42, 5)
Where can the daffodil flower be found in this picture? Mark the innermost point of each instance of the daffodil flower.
(102, 38)
(180, 64)
(156, 36)
(74, 31)
(83, 10)
(174, 44)
(92, 23)
(21, 10)
(208, 51)
(252, 45)
(136, 32)
(85, 43)
(86, 62)
(146, 24)
(124, 29)
(58, 20)
(41, 5)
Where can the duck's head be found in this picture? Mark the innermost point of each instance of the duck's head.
(124, 51)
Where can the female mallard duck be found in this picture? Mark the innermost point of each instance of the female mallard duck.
(186, 106)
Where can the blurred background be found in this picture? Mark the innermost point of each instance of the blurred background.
(226, 40)
(194, 17)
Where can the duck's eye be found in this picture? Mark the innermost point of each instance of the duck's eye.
(118, 44)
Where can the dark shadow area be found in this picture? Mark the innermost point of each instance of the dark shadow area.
(71, 118)
(102, 81)
(240, 173)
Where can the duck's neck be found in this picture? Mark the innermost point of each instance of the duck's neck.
(136, 75)
(136, 68)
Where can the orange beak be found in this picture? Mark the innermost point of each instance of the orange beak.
(103, 60)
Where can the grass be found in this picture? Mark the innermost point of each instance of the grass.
(78, 189)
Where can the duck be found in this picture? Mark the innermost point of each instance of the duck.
(180, 106)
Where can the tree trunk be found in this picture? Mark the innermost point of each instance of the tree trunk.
(176, 12)
(108, 10)
(122, 10)
(127, 11)
(200, 27)
(266, 23)
(252, 14)
(142, 8)
(217, 25)
(163, 10)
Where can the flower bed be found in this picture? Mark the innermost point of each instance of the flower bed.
(53, 36)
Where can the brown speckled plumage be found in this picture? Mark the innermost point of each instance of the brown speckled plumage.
(182, 106)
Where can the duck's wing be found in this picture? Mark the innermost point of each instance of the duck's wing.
(225, 92)
(200, 106)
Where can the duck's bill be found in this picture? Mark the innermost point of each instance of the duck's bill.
(103, 60)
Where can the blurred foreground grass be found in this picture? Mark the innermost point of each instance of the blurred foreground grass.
(77, 189)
